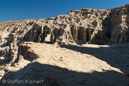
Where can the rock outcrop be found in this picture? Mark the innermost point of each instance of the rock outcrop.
(70, 65)
(86, 26)
(54, 48)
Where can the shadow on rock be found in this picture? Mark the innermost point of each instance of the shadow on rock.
(56, 76)
(115, 55)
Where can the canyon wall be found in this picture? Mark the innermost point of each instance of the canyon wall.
(84, 26)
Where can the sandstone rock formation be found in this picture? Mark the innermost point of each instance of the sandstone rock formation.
(23, 43)
(70, 65)
(86, 26)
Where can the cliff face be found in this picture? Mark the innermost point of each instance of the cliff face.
(83, 26)
(79, 26)
(62, 49)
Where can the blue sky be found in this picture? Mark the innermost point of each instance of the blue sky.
(34, 9)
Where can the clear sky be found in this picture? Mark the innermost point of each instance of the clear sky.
(34, 9)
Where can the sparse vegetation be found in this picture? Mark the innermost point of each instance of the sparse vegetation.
(2, 66)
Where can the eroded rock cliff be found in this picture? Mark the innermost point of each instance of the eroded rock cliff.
(79, 26)
(85, 26)
(54, 48)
